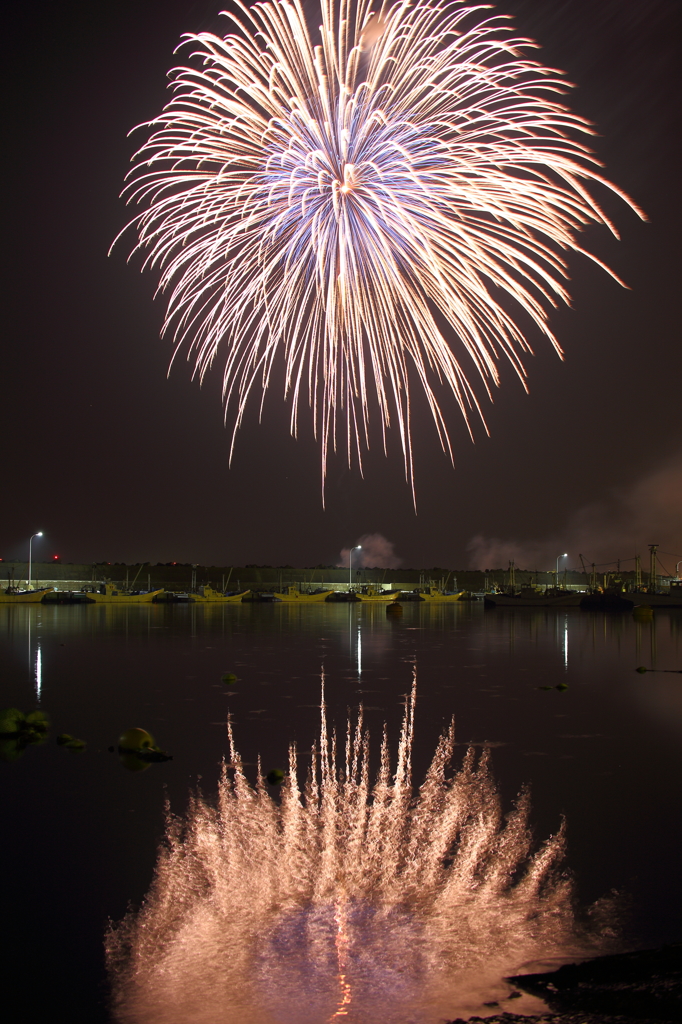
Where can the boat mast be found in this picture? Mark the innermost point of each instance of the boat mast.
(512, 577)
(136, 575)
(653, 548)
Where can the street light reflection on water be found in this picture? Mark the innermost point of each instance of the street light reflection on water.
(35, 660)
(346, 899)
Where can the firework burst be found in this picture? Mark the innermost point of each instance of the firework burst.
(357, 202)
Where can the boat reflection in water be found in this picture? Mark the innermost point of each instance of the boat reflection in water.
(349, 900)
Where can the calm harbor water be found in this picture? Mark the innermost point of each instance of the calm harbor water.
(82, 833)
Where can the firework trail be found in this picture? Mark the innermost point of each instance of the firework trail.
(348, 201)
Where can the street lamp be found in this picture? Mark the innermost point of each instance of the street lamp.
(358, 547)
(565, 555)
(28, 587)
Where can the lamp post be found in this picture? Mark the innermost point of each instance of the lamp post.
(565, 555)
(358, 547)
(677, 568)
(30, 542)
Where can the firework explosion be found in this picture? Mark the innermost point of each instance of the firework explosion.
(358, 204)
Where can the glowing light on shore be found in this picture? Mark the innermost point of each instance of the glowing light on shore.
(346, 900)
(360, 205)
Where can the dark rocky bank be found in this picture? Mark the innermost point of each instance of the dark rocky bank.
(628, 988)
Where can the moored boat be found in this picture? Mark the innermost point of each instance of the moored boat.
(432, 595)
(293, 594)
(13, 596)
(112, 595)
(528, 597)
(371, 595)
(640, 598)
(610, 600)
(207, 595)
(616, 599)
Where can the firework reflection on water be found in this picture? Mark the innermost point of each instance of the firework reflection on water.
(348, 900)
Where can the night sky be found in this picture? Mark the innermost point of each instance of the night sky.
(116, 461)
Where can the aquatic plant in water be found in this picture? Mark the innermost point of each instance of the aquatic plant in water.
(347, 899)
(19, 731)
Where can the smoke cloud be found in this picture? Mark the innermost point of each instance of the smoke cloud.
(376, 552)
(617, 527)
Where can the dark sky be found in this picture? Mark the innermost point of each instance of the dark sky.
(115, 461)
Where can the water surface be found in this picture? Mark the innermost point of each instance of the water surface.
(82, 832)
